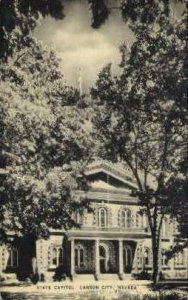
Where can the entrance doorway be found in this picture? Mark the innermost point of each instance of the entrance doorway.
(104, 258)
(128, 258)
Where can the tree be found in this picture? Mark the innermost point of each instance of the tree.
(24, 15)
(178, 191)
(44, 142)
(140, 118)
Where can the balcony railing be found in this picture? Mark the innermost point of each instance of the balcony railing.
(113, 229)
(103, 195)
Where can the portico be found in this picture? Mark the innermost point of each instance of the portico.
(101, 256)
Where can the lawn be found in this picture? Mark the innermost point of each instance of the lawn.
(167, 295)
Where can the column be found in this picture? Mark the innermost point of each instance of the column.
(97, 268)
(1, 259)
(145, 223)
(186, 249)
(135, 266)
(121, 259)
(72, 259)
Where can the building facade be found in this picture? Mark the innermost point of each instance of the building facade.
(113, 238)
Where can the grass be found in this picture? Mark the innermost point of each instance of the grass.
(155, 296)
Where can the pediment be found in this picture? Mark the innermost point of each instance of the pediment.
(108, 176)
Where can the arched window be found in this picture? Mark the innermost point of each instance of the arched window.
(127, 255)
(164, 259)
(126, 218)
(165, 227)
(79, 256)
(102, 217)
(147, 257)
(12, 257)
(55, 256)
(179, 259)
(79, 218)
(139, 220)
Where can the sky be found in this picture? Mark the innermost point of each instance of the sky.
(79, 46)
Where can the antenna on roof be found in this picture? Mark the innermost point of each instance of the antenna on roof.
(108, 188)
(80, 81)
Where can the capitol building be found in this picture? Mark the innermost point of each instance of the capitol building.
(113, 239)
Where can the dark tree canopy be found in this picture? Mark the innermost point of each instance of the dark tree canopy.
(24, 14)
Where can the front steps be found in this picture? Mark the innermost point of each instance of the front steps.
(108, 277)
(105, 277)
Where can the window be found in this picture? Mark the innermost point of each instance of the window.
(79, 256)
(139, 220)
(179, 259)
(164, 259)
(126, 218)
(55, 256)
(12, 257)
(79, 218)
(127, 255)
(102, 217)
(165, 228)
(147, 257)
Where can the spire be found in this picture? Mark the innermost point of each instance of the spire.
(80, 82)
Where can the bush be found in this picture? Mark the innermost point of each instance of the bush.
(156, 296)
(144, 275)
(165, 296)
(34, 278)
(59, 274)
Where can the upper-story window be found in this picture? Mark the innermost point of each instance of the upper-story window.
(139, 220)
(164, 258)
(179, 259)
(147, 257)
(165, 228)
(102, 217)
(79, 218)
(12, 257)
(125, 218)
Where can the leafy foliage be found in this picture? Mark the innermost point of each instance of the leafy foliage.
(140, 116)
(100, 12)
(44, 141)
(24, 14)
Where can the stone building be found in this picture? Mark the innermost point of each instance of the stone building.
(112, 239)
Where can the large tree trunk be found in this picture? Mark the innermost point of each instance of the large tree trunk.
(155, 250)
(27, 253)
(155, 267)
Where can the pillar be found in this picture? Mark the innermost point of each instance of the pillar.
(72, 259)
(121, 259)
(1, 259)
(145, 223)
(97, 268)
